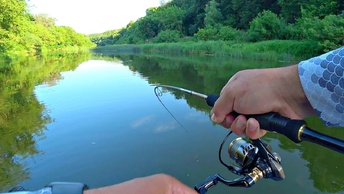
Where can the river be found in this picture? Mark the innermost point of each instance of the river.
(94, 118)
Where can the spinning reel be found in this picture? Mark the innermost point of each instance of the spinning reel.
(254, 161)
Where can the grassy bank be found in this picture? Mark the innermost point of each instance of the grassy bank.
(265, 50)
(14, 56)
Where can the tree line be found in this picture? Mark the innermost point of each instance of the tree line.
(234, 20)
(22, 33)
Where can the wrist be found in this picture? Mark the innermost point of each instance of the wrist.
(292, 93)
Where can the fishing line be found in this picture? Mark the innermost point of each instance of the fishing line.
(158, 93)
(220, 150)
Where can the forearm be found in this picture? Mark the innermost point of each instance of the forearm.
(155, 184)
(134, 186)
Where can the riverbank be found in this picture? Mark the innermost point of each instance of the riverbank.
(265, 50)
(15, 56)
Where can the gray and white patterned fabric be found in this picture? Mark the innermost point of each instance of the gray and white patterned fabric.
(322, 79)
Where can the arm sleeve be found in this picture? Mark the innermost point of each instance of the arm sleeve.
(322, 80)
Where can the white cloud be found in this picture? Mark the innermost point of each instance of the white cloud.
(166, 127)
(138, 123)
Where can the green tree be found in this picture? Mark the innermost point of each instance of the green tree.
(213, 15)
(166, 19)
(328, 32)
(266, 26)
(149, 27)
(169, 17)
(167, 36)
(228, 33)
(207, 33)
(194, 17)
(24, 34)
(44, 20)
(290, 10)
(234, 20)
(243, 12)
(12, 15)
(321, 8)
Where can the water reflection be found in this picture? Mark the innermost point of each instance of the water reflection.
(22, 117)
(108, 138)
(207, 75)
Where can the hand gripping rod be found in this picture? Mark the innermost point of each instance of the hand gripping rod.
(296, 130)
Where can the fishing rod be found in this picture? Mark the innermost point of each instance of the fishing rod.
(296, 130)
(254, 160)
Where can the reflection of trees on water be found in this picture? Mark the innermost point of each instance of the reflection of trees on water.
(325, 166)
(202, 74)
(208, 75)
(22, 117)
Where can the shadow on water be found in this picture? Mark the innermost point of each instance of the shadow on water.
(208, 75)
(22, 118)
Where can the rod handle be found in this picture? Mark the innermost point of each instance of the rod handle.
(273, 122)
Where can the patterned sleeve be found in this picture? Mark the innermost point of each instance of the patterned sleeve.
(322, 80)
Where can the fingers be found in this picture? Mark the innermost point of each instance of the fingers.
(175, 186)
(228, 121)
(253, 130)
(238, 95)
(222, 107)
(242, 126)
(225, 103)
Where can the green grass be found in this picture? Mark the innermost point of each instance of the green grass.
(266, 50)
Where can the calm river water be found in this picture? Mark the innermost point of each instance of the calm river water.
(95, 119)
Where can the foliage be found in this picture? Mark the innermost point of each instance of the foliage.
(266, 26)
(167, 36)
(207, 33)
(24, 34)
(235, 20)
(164, 18)
(212, 14)
(44, 20)
(228, 33)
(328, 32)
(219, 32)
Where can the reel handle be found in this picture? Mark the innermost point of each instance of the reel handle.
(274, 122)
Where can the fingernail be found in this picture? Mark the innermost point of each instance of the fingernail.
(229, 120)
(240, 124)
(213, 117)
(251, 126)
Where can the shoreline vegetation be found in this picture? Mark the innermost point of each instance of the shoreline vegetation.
(262, 30)
(272, 50)
(23, 34)
(257, 29)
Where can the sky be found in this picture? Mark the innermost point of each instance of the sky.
(92, 16)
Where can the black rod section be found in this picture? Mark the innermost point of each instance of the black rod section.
(333, 143)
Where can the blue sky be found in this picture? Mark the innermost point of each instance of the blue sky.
(92, 16)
